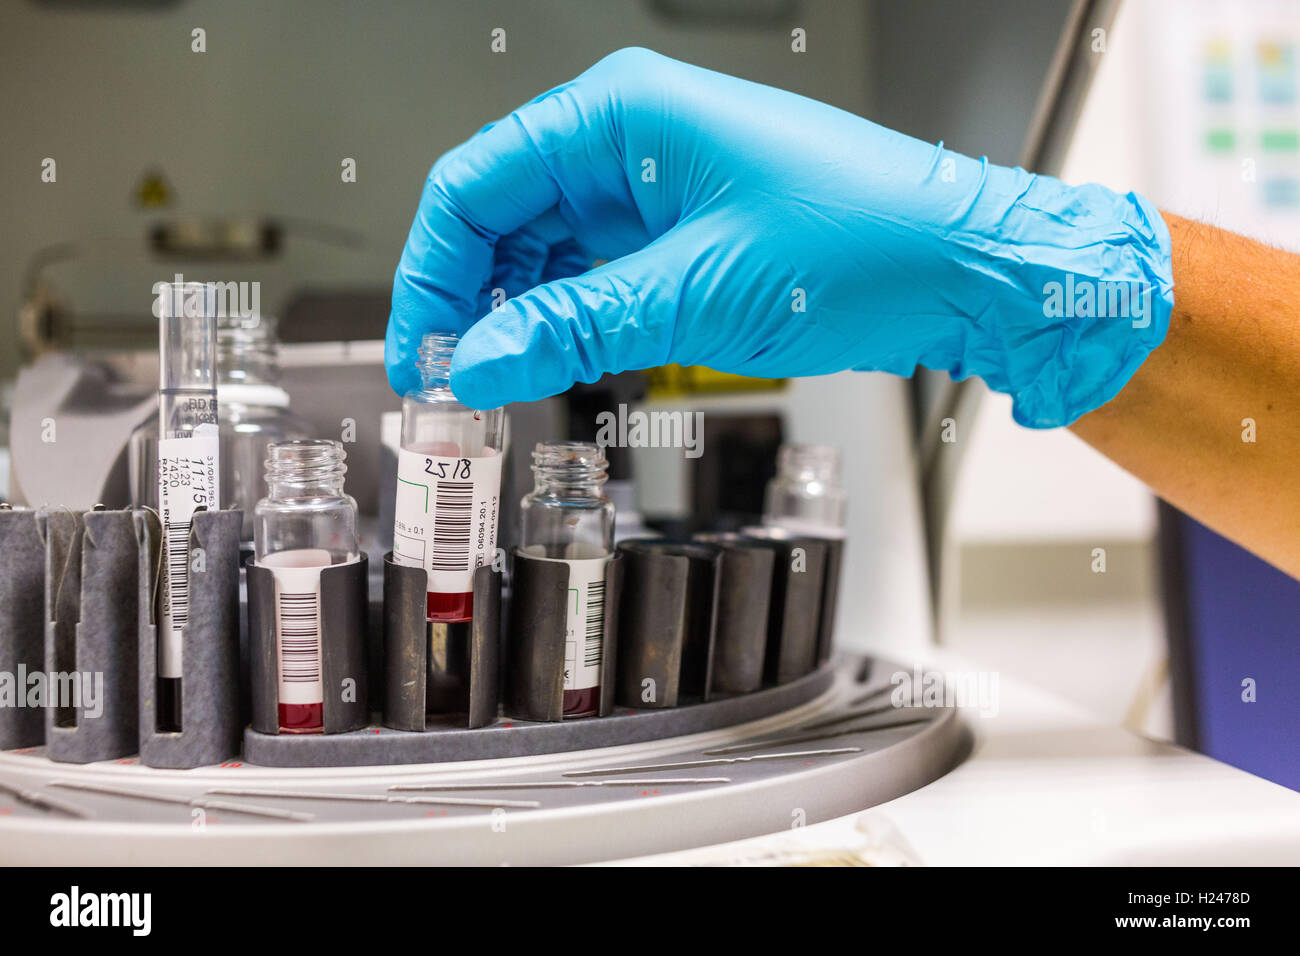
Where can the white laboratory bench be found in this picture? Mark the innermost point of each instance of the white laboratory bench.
(1047, 784)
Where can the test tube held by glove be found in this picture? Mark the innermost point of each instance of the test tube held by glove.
(448, 499)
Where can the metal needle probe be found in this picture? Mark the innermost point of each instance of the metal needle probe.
(41, 802)
(715, 761)
(561, 784)
(378, 798)
(199, 802)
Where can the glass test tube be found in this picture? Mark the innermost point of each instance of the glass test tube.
(188, 468)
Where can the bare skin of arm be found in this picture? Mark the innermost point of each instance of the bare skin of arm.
(1232, 353)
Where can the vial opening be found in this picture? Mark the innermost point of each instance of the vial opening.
(568, 462)
(247, 350)
(810, 463)
(435, 354)
(436, 349)
(305, 461)
(187, 336)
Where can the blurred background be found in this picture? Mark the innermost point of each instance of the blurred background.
(130, 155)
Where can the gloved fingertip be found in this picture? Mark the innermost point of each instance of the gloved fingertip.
(501, 360)
(472, 379)
(474, 387)
(402, 377)
(402, 374)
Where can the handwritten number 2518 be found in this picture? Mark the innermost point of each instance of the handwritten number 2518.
(458, 469)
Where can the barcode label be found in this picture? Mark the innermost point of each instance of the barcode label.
(299, 621)
(595, 623)
(445, 516)
(187, 482)
(452, 513)
(178, 575)
(585, 631)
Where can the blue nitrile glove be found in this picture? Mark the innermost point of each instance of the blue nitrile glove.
(755, 231)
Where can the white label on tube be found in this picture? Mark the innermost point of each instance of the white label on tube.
(584, 635)
(445, 518)
(297, 622)
(187, 481)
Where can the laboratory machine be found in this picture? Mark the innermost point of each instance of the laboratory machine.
(258, 609)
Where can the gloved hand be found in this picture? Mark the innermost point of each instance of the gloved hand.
(754, 231)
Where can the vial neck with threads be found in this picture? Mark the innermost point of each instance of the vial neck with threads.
(434, 362)
(434, 422)
(807, 495)
(246, 351)
(567, 514)
(306, 519)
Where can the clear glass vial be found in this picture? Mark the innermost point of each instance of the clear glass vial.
(568, 517)
(254, 410)
(567, 514)
(449, 484)
(807, 494)
(305, 523)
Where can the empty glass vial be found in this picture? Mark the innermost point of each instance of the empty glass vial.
(567, 517)
(807, 495)
(304, 524)
(448, 498)
(254, 410)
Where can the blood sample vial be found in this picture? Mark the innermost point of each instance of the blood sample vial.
(305, 524)
(448, 485)
(567, 517)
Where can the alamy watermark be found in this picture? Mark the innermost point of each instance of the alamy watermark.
(651, 429)
(83, 690)
(1082, 297)
(133, 911)
(972, 690)
(238, 300)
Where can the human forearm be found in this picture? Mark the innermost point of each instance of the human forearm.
(1231, 360)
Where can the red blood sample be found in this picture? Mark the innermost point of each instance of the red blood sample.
(449, 607)
(302, 719)
(582, 703)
